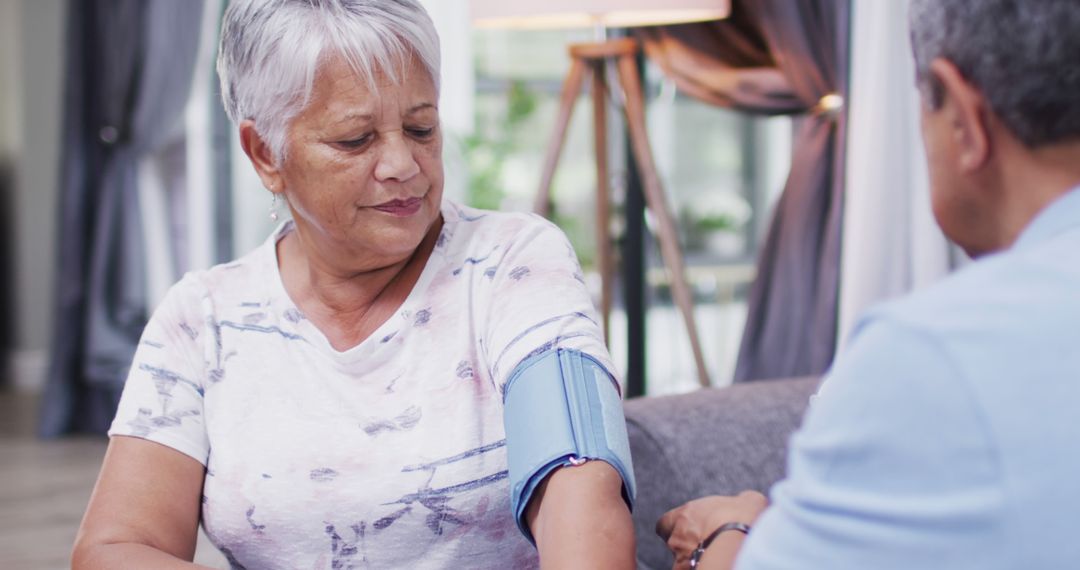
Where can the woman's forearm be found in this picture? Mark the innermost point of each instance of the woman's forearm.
(579, 519)
(127, 555)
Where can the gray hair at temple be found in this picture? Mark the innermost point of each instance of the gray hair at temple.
(271, 51)
(1023, 55)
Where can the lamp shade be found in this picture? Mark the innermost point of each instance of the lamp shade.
(589, 13)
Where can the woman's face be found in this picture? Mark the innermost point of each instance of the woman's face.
(363, 173)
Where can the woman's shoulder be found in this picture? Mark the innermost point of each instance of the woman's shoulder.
(243, 280)
(467, 224)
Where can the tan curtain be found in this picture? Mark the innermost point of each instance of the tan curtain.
(780, 57)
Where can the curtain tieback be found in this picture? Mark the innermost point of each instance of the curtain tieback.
(828, 107)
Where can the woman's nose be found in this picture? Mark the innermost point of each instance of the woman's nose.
(396, 160)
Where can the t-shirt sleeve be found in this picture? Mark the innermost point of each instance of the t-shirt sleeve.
(540, 302)
(162, 399)
(894, 467)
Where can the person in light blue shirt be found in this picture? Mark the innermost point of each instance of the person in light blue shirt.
(947, 435)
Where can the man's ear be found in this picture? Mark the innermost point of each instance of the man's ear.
(968, 113)
(261, 156)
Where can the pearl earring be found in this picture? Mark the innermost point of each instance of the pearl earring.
(273, 208)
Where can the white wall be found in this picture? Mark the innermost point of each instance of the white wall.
(35, 96)
(10, 52)
(451, 18)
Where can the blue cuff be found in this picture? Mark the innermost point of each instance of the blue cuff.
(561, 405)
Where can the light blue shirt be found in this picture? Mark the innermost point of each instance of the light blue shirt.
(948, 434)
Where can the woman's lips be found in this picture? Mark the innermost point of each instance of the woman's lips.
(400, 208)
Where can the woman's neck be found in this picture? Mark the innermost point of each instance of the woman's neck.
(347, 306)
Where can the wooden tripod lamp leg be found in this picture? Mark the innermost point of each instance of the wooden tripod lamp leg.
(657, 203)
(571, 89)
(603, 208)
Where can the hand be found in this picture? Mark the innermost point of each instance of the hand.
(683, 528)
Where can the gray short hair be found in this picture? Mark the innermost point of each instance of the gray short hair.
(1024, 55)
(271, 50)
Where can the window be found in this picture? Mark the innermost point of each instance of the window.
(722, 172)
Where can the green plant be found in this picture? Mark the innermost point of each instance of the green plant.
(714, 222)
(493, 140)
(581, 235)
(501, 132)
(717, 211)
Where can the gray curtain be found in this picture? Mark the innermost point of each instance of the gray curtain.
(128, 75)
(780, 57)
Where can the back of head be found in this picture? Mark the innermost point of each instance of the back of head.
(1023, 55)
(271, 51)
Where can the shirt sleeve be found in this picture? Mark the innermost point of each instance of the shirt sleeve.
(540, 302)
(162, 399)
(893, 468)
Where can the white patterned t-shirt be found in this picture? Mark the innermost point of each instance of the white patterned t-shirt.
(390, 454)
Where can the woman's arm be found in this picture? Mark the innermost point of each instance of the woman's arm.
(144, 511)
(580, 520)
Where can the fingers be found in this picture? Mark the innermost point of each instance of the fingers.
(755, 497)
(687, 524)
(681, 556)
(680, 533)
(666, 524)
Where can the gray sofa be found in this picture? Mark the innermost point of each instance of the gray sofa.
(711, 442)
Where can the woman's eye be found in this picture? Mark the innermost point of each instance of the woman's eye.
(421, 133)
(355, 143)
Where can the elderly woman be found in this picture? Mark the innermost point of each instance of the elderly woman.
(391, 380)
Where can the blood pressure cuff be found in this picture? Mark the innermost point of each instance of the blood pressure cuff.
(562, 406)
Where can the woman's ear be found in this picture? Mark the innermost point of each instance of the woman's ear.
(968, 113)
(261, 156)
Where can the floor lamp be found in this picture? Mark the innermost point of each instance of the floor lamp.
(592, 59)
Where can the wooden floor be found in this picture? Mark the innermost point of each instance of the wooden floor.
(44, 487)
